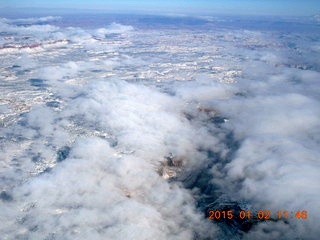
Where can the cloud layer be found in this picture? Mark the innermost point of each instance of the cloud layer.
(117, 132)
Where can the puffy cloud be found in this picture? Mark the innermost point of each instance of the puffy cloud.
(97, 193)
(113, 28)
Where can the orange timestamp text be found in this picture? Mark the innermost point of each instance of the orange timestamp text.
(260, 215)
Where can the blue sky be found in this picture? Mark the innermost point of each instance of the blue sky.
(265, 7)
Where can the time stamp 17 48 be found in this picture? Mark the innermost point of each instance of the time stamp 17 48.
(258, 215)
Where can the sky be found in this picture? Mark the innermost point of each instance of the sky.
(264, 7)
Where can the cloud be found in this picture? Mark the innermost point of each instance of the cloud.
(98, 190)
(113, 28)
(111, 192)
(278, 156)
(37, 35)
(31, 21)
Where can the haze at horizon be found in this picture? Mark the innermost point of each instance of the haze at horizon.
(243, 7)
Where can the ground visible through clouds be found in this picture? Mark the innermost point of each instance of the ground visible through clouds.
(134, 127)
